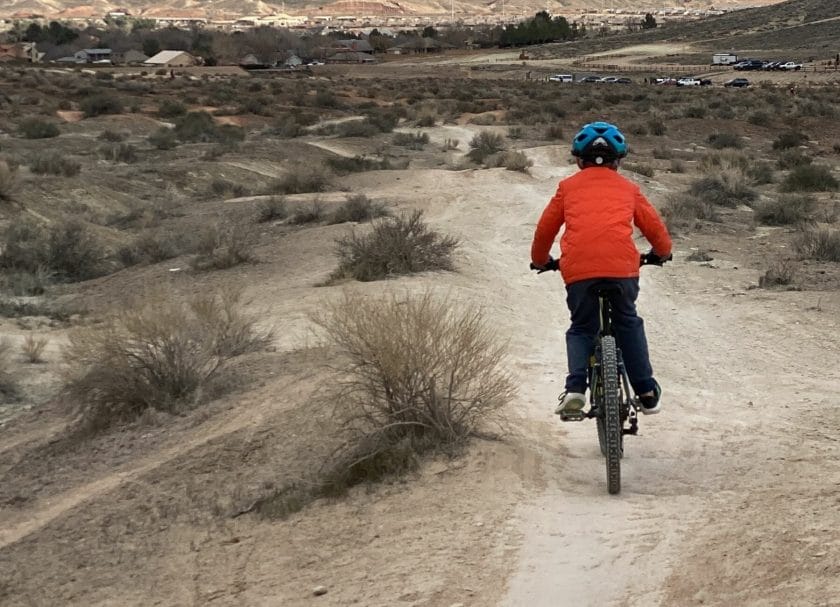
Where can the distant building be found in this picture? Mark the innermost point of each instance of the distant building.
(20, 51)
(93, 55)
(131, 57)
(171, 59)
(350, 57)
(353, 46)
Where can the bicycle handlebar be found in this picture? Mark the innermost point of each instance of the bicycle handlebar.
(645, 259)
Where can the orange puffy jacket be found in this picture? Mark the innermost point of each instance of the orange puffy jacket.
(598, 207)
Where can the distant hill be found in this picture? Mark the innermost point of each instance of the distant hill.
(793, 28)
(232, 8)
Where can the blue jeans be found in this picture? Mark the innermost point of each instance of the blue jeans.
(629, 331)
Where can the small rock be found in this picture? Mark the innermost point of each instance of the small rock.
(319, 590)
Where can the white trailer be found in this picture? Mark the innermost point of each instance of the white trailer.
(724, 59)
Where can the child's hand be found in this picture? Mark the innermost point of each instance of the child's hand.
(551, 265)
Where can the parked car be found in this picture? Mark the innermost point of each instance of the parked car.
(624, 80)
(587, 79)
(561, 78)
(666, 81)
(688, 81)
(791, 65)
(749, 64)
(705, 82)
(737, 82)
(608, 80)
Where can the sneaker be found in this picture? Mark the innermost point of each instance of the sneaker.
(650, 404)
(571, 406)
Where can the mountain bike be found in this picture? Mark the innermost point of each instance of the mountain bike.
(612, 404)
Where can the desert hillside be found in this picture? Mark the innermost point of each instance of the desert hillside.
(271, 338)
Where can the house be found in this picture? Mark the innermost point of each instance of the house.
(171, 59)
(353, 46)
(131, 57)
(293, 61)
(350, 57)
(93, 55)
(20, 51)
(419, 45)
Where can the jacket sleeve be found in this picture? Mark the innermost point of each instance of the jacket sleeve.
(651, 225)
(547, 228)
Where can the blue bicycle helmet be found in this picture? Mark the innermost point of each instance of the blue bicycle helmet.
(599, 142)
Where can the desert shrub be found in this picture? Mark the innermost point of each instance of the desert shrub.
(358, 208)
(789, 139)
(426, 120)
(514, 160)
(54, 163)
(113, 136)
(383, 121)
(726, 160)
(258, 106)
(312, 212)
(485, 144)
(26, 282)
(641, 169)
(300, 180)
(418, 374)
(74, 252)
(695, 111)
(223, 246)
(272, 209)
(119, 152)
(158, 354)
(759, 118)
(790, 159)
(287, 127)
(171, 108)
(99, 104)
(354, 128)
(396, 246)
(785, 210)
(553, 132)
(809, 178)
(760, 172)
(637, 128)
(33, 348)
(657, 127)
(199, 127)
(8, 180)
(35, 128)
(685, 210)
(153, 246)
(415, 141)
(344, 165)
(820, 244)
(163, 139)
(780, 273)
(677, 166)
(720, 141)
(699, 255)
(836, 148)
(220, 187)
(8, 384)
(727, 189)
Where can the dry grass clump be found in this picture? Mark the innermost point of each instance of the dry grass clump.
(119, 152)
(312, 212)
(789, 139)
(8, 180)
(686, 211)
(720, 141)
(780, 274)
(414, 141)
(639, 168)
(274, 208)
(54, 163)
(785, 210)
(418, 374)
(484, 145)
(344, 165)
(33, 348)
(809, 178)
(223, 246)
(512, 160)
(395, 246)
(790, 159)
(99, 104)
(163, 139)
(158, 354)
(358, 208)
(821, 244)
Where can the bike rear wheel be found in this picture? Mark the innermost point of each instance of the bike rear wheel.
(611, 410)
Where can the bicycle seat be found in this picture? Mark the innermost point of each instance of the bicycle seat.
(605, 290)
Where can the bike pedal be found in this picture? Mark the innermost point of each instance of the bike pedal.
(577, 416)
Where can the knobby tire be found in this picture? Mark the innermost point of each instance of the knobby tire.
(611, 394)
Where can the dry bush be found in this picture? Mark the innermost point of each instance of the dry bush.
(414, 141)
(417, 374)
(820, 244)
(313, 212)
(761, 173)
(35, 128)
(726, 160)
(119, 152)
(344, 165)
(113, 136)
(163, 139)
(8, 383)
(158, 354)
(785, 210)
(358, 208)
(781, 273)
(99, 104)
(224, 246)
(699, 255)
(300, 180)
(809, 178)
(727, 188)
(8, 180)
(790, 159)
(720, 141)
(677, 166)
(485, 144)
(55, 163)
(512, 160)
(273, 209)
(395, 246)
(153, 246)
(33, 348)
(685, 211)
(641, 169)
(789, 139)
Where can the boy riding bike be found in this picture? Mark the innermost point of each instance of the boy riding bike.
(599, 207)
